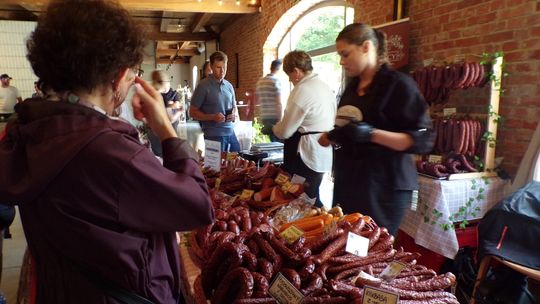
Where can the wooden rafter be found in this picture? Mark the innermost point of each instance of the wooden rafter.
(200, 21)
(189, 6)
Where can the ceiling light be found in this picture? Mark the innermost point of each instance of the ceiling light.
(237, 2)
(220, 2)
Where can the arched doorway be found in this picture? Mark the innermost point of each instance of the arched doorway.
(312, 26)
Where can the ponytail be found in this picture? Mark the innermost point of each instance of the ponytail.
(357, 33)
(382, 56)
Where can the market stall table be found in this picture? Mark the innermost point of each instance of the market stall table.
(441, 203)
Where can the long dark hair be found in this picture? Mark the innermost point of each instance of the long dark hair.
(357, 33)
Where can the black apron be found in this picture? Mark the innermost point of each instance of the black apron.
(290, 148)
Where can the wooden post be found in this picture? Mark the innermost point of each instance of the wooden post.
(493, 112)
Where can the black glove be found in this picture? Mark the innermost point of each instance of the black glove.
(353, 132)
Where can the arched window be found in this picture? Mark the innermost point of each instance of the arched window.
(315, 32)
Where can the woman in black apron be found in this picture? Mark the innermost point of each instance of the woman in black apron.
(310, 111)
(374, 171)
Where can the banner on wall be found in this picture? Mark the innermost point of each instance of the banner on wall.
(397, 37)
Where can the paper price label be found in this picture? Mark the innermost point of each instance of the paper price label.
(281, 179)
(217, 184)
(428, 62)
(357, 244)
(246, 194)
(329, 228)
(378, 296)
(212, 155)
(231, 155)
(392, 271)
(286, 186)
(449, 111)
(291, 234)
(284, 292)
(432, 158)
(297, 179)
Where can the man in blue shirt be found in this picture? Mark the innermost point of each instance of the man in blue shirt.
(213, 103)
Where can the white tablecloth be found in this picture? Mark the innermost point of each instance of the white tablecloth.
(443, 202)
(191, 131)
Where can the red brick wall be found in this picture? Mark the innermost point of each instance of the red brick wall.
(440, 29)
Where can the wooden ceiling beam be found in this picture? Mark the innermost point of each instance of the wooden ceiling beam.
(200, 21)
(173, 52)
(189, 6)
(185, 45)
(198, 37)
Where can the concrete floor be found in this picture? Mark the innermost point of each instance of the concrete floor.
(13, 254)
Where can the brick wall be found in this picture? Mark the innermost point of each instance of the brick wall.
(440, 29)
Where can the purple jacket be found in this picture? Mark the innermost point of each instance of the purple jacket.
(94, 202)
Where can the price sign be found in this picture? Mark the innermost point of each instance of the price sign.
(281, 179)
(246, 194)
(286, 186)
(231, 155)
(357, 244)
(449, 111)
(329, 228)
(291, 234)
(212, 155)
(432, 158)
(378, 296)
(428, 62)
(217, 184)
(392, 271)
(284, 292)
(297, 179)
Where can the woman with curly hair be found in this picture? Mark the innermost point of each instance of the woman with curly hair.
(98, 209)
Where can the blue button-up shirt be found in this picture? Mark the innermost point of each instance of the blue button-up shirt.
(212, 96)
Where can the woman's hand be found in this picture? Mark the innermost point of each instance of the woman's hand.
(148, 106)
(324, 140)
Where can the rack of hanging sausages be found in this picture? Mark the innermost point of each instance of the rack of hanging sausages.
(269, 244)
(466, 131)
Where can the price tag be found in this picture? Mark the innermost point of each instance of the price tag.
(297, 179)
(217, 184)
(246, 194)
(212, 154)
(378, 296)
(232, 155)
(449, 111)
(286, 186)
(291, 234)
(329, 228)
(392, 271)
(432, 158)
(357, 244)
(281, 179)
(428, 62)
(284, 292)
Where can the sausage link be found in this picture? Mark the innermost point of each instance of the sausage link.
(237, 284)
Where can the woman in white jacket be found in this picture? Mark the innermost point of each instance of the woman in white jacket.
(310, 110)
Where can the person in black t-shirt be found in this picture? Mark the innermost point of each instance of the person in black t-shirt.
(374, 172)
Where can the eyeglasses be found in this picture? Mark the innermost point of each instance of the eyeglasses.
(139, 72)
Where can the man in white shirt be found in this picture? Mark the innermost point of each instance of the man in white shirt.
(268, 94)
(9, 96)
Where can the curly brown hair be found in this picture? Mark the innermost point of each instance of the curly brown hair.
(82, 44)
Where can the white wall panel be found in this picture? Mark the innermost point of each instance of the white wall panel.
(13, 35)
